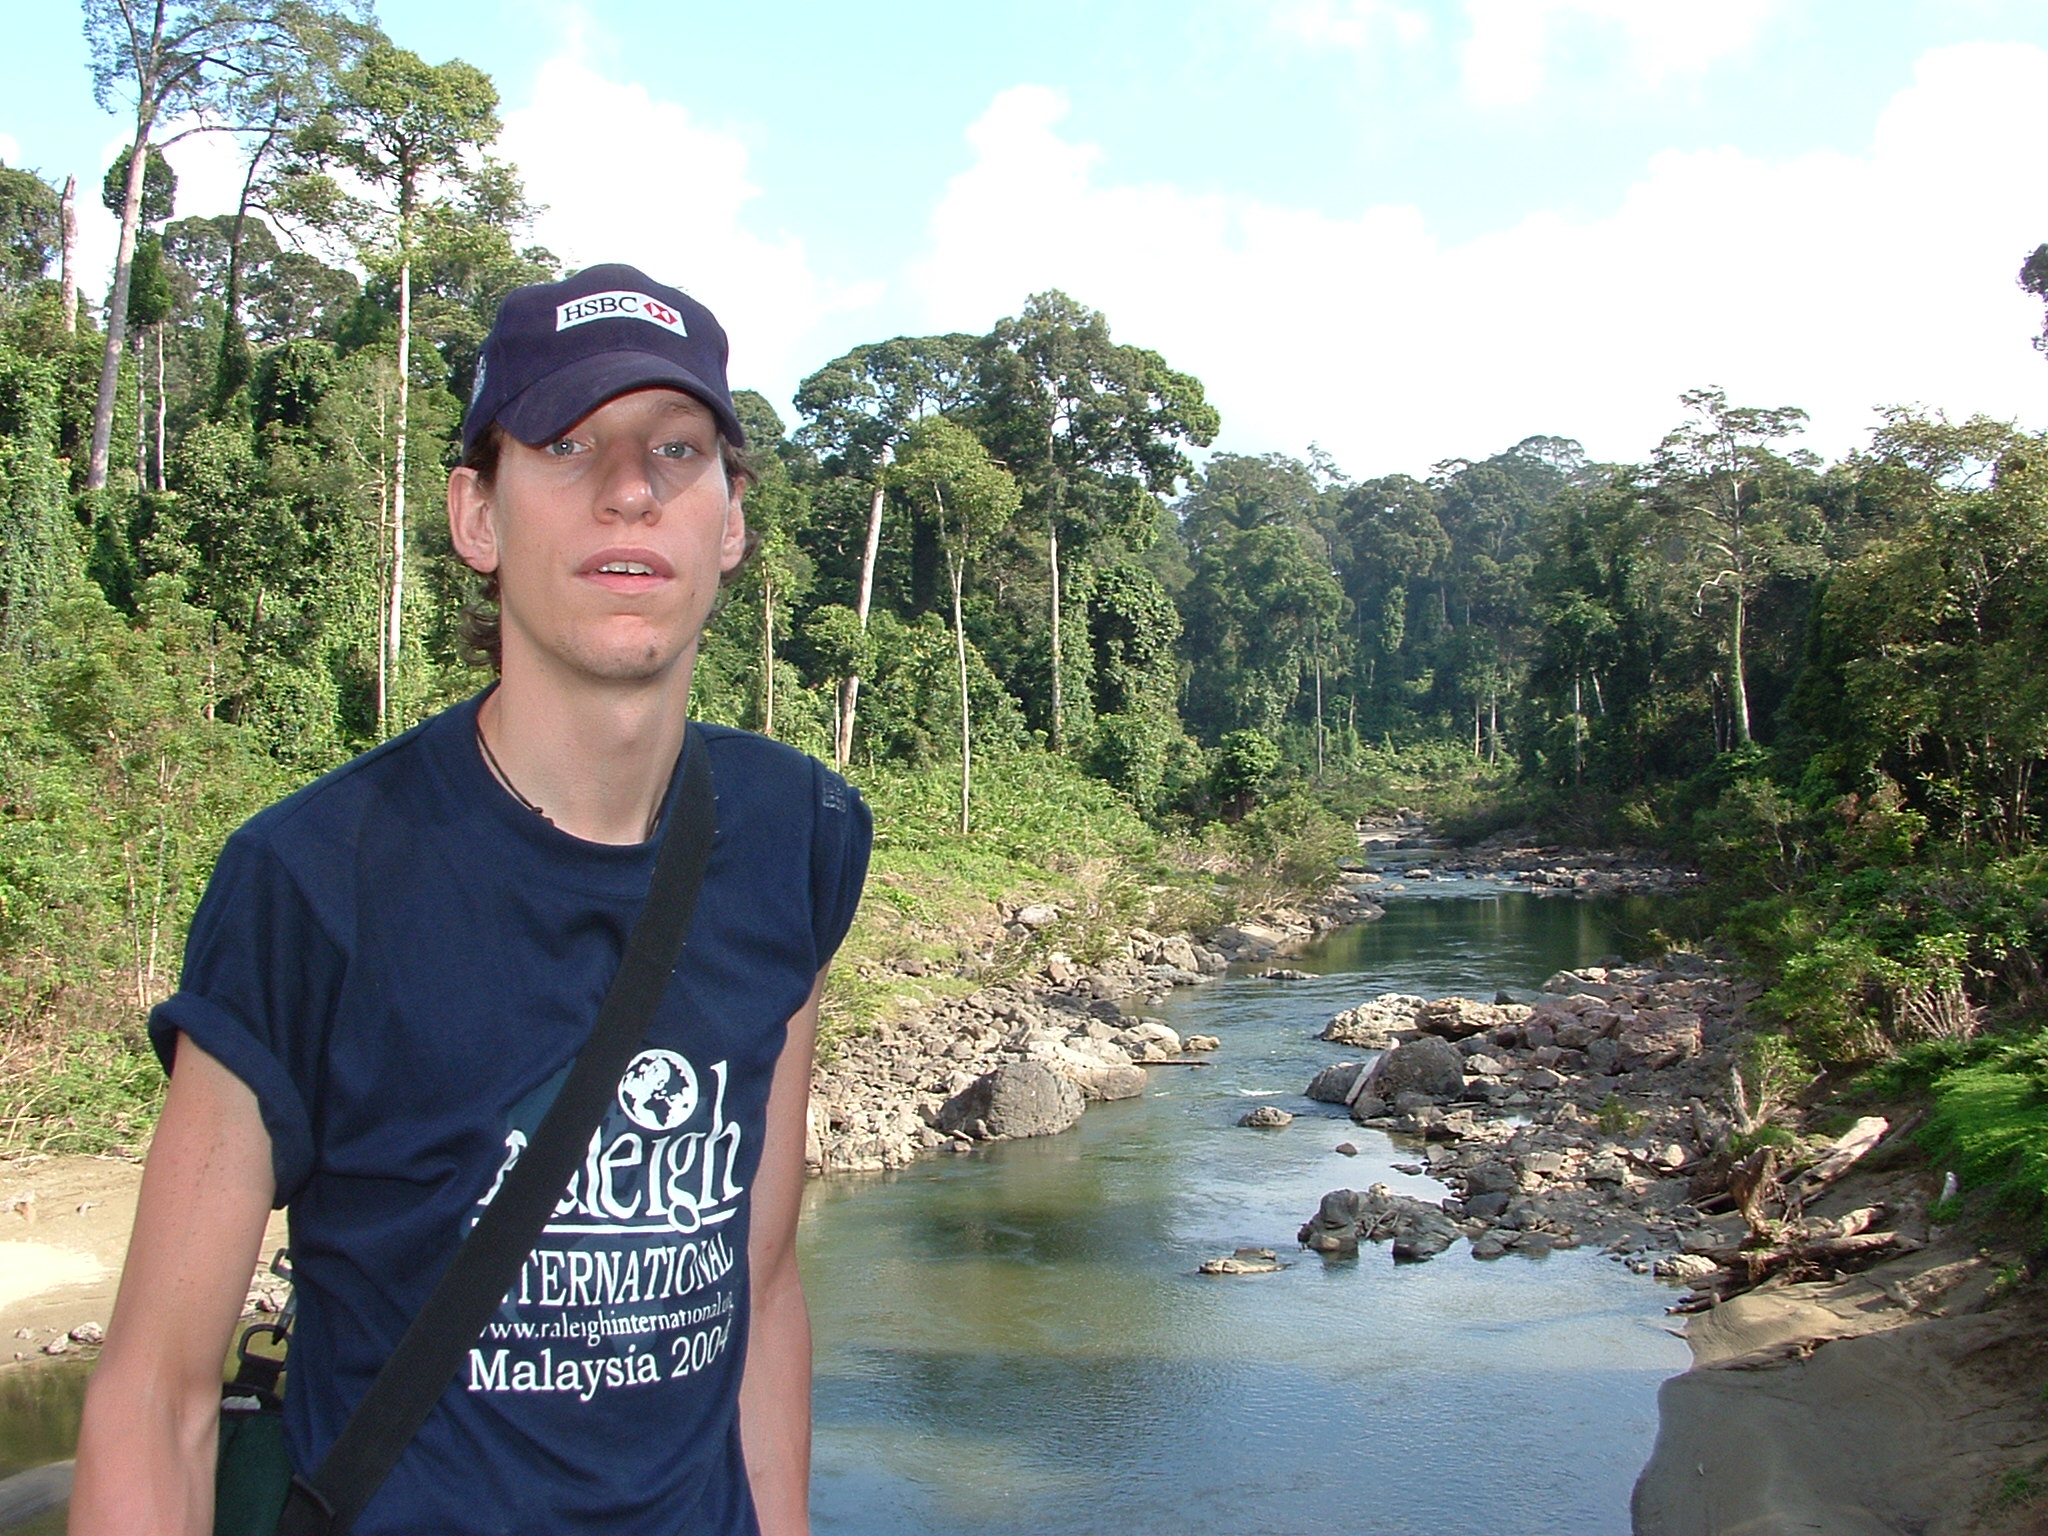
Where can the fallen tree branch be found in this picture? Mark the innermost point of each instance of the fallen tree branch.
(1862, 1137)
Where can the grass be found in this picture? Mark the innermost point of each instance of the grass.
(1990, 1123)
(94, 1090)
(1616, 1119)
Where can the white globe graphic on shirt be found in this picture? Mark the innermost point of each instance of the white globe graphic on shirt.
(659, 1090)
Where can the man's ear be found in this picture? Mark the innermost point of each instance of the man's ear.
(471, 526)
(732, 549)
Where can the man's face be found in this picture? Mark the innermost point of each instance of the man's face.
(609, 541)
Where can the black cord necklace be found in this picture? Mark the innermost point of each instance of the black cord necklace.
(498, 772)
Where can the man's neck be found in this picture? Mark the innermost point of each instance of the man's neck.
(596, 761)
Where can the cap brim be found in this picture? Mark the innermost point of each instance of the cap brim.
(548, 407)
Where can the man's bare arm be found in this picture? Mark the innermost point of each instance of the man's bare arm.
(775, 1392)
(146, 1444)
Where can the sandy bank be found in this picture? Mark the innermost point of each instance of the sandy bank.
(1902, 1401)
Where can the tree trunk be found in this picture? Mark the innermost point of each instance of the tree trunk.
(1478, 720)
(397, 631)
(1056, 738)
(68, 215)
(767, 658)
(956, 568)
(849, 686)
(383, 575)
(1493, 726)
(141, 416)
(231, 371)
(117, 316)
(160, 407)
(1319, 706)
(1738, 686)
(1578, 733)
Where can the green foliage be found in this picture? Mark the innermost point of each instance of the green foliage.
(159, 185)
(1615, 1118)
(1990, 1122)
(31, 235)
(38, 547)
(1294, 841)
(1245, 762)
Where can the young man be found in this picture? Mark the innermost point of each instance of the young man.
(393, 969)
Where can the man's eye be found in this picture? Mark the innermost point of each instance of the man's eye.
(677, 450)
(561, 447)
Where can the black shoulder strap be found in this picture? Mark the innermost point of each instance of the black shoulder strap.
(487, 1263)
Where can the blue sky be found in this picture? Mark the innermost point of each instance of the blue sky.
(1405, 230)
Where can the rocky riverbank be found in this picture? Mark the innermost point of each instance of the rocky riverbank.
(1406, 849)
(1599, 1114)
(1024, 1057)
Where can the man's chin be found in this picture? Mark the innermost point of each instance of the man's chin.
(624, 662)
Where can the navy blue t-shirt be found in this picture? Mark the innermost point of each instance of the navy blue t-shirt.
(401, 961)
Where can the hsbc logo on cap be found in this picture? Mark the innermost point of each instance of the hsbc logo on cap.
(619, 304)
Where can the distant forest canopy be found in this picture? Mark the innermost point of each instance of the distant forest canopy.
(233, 468)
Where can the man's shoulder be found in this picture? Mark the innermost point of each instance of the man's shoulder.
(758, 768)
(333, 804)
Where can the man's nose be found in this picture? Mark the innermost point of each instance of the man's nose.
(628, 484)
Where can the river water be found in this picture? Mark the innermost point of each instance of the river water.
(1015, 1340)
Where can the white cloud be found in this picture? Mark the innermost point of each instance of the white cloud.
(628, 176)
(1833, 282)
(1353, 23)
(1513, 42)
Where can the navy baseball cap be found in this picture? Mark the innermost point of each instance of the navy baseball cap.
(560, 350)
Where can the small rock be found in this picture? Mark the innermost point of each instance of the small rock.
(1200, 1043)
(1346, 1149)
(1038, 915)
(1430, 1065)
(1606, 1169)
(1267, 1117)
(1684, 1266)
(57, 1347)
(1280, 973)
(1337, 1084)
(1245, 1261)
(88, 1333)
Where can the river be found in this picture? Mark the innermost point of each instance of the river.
(1014, 1340)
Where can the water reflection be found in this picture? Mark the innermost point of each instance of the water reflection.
(39, 1408)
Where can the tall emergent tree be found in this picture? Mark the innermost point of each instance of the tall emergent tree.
(407, 134)
(267, 110)
(859, 407)
(970, 498)
(1093, 429)
(185, 61)
(1718, 476)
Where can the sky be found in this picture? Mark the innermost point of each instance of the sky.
(1400, 230)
